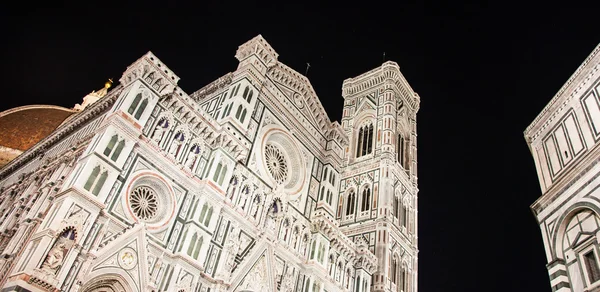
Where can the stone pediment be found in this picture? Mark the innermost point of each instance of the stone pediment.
(257, 272)
(127, 256)
(306, 99)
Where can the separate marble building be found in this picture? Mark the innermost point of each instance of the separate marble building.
(565, 143)
(243, 185)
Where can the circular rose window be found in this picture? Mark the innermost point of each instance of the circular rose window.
(144, 203)
(276, 163)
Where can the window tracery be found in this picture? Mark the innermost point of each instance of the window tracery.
(364, 143)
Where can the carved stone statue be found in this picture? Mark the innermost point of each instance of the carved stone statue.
(158, 133)
(55, 257)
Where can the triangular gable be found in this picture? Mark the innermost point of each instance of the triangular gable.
(290, 94)
(366, 103)
(128, 254)
(257, 273)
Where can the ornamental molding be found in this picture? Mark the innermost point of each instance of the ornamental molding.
(79, 119)
(563, 96)
(387, 74)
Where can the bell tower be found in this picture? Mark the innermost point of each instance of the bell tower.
(378, 191)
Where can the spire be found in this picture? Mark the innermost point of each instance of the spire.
(94, 96)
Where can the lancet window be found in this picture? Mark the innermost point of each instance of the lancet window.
(366, 199)
(364, 144)
(96, 180)
(138, 106)
(114, 147)
(350, 203)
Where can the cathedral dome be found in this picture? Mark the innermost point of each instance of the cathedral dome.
(22, 127)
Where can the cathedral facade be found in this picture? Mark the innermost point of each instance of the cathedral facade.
(564, 140)
(243, 185)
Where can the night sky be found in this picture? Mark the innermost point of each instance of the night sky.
(483, 73)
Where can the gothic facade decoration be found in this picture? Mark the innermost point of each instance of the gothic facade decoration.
(243, 185)
(564, 140)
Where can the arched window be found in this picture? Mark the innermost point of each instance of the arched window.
(366, 199)
(208, 217)
(217, 172)
(350, 204)
(243, 117)
(203, 212)
(329, 195)
(117, 151)
(92, 178)
(404, 215)
(322, 193)
(396, 203)
(245, 94)
(197, 247)
(222, 175)
(238, 112)
(250, 96)
(111, 145)
(141, 109)
(190, 249)
(402, 280)
(95, 183)
(135, 103)
(394, 271)
(364, 143)
(580, 230)
(401, 150)
(100, 183)
(340, 206)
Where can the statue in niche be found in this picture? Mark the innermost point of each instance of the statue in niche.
(159, 130)
(57, 253)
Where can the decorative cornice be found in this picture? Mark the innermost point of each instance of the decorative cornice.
(388, 71)
(561, 97)
(78, 120)
(210, 88)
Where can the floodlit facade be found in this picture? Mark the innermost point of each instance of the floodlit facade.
(565, 143)
(243, 185)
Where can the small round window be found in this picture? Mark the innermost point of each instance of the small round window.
(276, 163)
(144, 203)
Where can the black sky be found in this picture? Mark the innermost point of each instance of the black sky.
(483, 73)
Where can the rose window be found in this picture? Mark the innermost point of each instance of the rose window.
(144, 203)
(276, 163)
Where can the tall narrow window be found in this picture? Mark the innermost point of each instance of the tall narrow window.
(100, 183)
(404, 215)
(364, 143)
(396, 206)
(92, 178)
(222, 176)
(250, 96)
(401, 150)
(203, 212)
(243, 117)
(135, 103)
(208, 217)
(350, 204)
(591, 266)
(117, 151)
(359, 143)
(366, 200)
(217, 172)
(394, 272)
(238, 112)
(402, 279)
(111, 145)
(190, 249)
(197, 247)
(141, 109)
